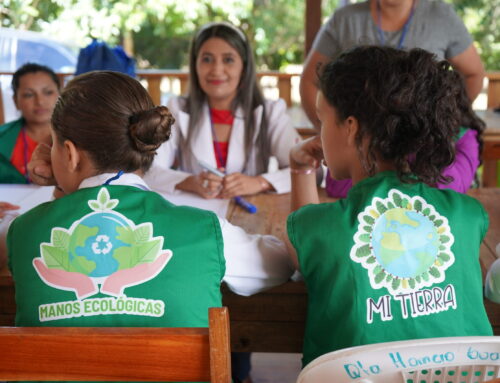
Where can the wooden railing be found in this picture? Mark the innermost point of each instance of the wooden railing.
(177, 83)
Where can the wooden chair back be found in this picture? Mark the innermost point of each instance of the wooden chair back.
(118, 353)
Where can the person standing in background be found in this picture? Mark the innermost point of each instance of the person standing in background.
(401, 24)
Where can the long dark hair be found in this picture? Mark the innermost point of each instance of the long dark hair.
(248, 97)
(111, 117)
(405, 102)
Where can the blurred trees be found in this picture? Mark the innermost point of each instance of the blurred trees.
(159, 31)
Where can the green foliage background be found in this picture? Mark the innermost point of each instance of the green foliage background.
(159, 31)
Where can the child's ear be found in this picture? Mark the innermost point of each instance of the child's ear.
(352, 130)
(73, 155)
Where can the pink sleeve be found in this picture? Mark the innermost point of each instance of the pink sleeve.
(465, 165)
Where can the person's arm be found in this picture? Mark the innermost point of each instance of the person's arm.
(464, 167)
(308, 87)
(469, 64)
(305, 158)
(253, 262)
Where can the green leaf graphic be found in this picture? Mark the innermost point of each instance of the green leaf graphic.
(364, 238)
(143, 233)
(94, 205)
(55, 257)
(372, 259)
(148, 252)
(389, 278)
(418, 205)
(398, 201)
(369, 219)
(368, 229)
(125, 234)
(380, 277)
(404, 203)
(434, 272)
(444, 257)
(426, 211)
(390, 205)
(381, 207)
(395, 283)
(432, 217)
(445, 239)
(425, 276)
(60, 238)
(363, 251)
(377, 269)
(418, 279)
(103, 197)
(411, 282)
(111, 204)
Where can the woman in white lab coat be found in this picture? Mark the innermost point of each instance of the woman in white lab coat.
(225, 123)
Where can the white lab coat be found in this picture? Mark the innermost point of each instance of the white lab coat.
(281, 134)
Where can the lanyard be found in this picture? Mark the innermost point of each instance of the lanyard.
(25, 154)
(118, 175)
(405, 27)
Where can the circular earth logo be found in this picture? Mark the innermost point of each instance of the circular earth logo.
(96, 239)
(403, 242)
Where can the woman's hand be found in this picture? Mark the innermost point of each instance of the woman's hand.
(240, 184)
(40, 166)
(205, 184)
(307, 154)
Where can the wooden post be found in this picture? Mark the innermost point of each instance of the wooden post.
(285, 89)
(493, 90)
(491, 154)
(312, 22)
(154, 89)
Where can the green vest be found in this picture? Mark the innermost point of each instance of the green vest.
(8, 136)
(392, 261)
(115, 256)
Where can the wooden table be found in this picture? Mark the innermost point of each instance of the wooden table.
(273, 321)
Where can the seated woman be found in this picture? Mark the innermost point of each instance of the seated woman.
(36, 88)
(398, 258)
(226, 122)
(111, 252)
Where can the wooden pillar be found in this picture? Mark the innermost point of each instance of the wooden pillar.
(312, 22)
(154, 89)
(285, 89)
(491, 155)
(493, 90)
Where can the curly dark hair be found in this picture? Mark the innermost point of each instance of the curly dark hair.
(405, 102)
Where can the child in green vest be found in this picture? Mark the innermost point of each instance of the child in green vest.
(397, 259)
(111, 252)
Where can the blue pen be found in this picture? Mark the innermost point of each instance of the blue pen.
(240, 201)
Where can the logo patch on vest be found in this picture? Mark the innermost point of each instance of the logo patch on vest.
(103, 251)
(405, 245)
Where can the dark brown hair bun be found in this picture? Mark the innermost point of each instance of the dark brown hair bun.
(149, 129)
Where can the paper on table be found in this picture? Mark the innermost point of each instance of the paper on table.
(218, 206)
(26, 196)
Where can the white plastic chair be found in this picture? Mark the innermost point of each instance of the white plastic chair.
(435, 360)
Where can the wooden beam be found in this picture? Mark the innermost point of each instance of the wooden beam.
(312, 22)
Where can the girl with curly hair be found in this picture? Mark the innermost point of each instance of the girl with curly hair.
(398, 258)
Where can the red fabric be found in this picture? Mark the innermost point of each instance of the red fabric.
(17, 158)
(220, 149)
(224, 117)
